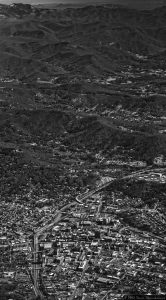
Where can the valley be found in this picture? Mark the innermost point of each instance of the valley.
(82, 117)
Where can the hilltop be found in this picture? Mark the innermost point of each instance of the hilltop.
(101, 59)
(82, 118)
(90, 39)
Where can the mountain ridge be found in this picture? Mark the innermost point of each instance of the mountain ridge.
(88, 59)
(148, 4)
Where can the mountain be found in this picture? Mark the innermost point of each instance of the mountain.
(90, 39)
(137, 4)
(96, 59)
(82, 102)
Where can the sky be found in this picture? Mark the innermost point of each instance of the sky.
(42, 1)
(129, 2)
(26, 1)
(55, 1)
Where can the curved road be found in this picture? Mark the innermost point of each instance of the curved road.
(58, 217)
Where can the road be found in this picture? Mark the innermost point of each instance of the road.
(79, 282)
(36, 264)
(58, 217)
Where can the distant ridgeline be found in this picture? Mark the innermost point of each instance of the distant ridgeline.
(136, 4)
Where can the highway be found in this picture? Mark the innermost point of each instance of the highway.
(36, 264)
(59, 216)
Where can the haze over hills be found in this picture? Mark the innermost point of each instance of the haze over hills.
(138, 4)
